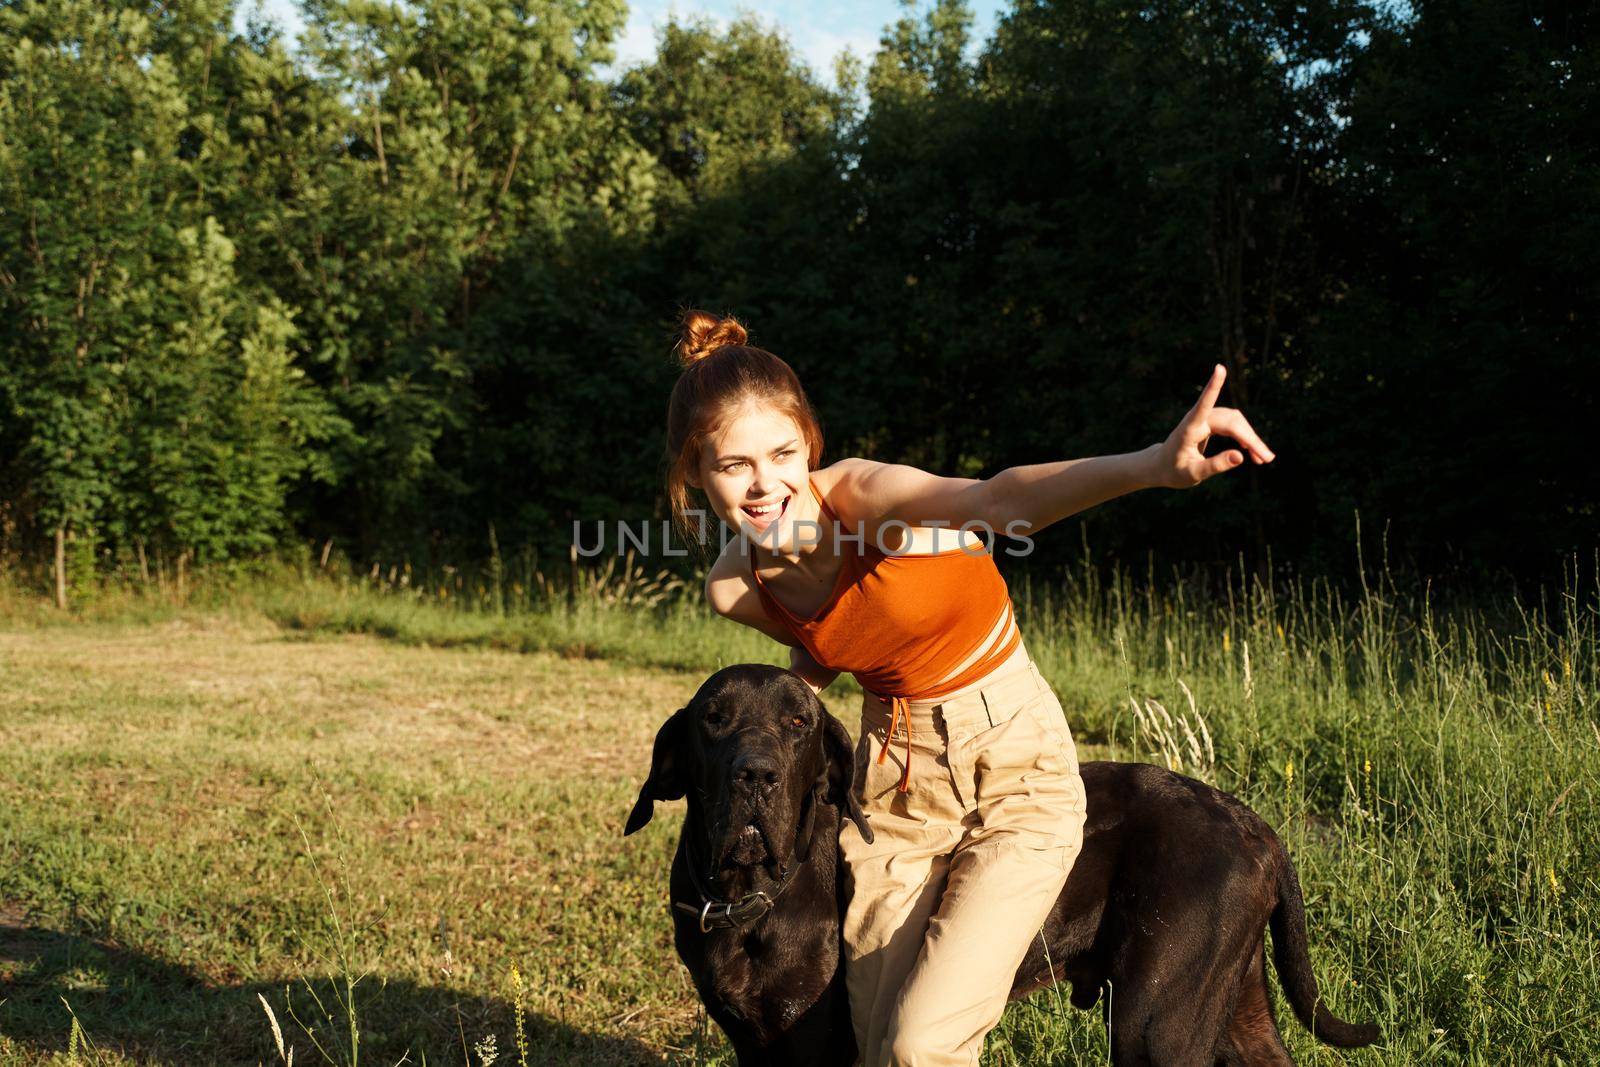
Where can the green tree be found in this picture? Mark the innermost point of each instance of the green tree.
(1459, 343)
(83, 186)
(741, 156)
(715, 108)
(148, 396)
(216, 416)
(465, 126)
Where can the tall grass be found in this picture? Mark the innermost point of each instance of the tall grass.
(1431, 764)
(1434, 774)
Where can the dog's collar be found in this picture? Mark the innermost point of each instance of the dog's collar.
(725, 914)
(718, 914)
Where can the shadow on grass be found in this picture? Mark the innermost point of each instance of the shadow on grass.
(151, 1011)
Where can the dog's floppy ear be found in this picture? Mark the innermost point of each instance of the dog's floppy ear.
(668, 776)
(840, 757)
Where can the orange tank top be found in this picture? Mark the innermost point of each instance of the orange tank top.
(901, 624)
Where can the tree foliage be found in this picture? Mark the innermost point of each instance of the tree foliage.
(415, 277)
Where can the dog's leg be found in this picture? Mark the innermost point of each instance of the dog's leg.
(1252, 1039)
(1174, 982)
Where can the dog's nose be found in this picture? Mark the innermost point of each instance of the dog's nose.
(756, 772)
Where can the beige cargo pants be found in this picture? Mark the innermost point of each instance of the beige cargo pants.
(963, 867)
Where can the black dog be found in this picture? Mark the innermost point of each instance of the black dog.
(1166, 903)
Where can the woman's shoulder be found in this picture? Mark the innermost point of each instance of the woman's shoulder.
(860, 506)
(732, 593)
(838, 481)
(729, 578)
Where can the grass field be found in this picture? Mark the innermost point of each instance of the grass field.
(324, 796)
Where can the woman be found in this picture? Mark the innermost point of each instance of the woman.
(965, 765)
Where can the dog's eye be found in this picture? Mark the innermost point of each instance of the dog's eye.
(797, 721)
(713, 718)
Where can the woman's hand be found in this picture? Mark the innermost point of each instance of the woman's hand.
(810, 671)
(1180, 462)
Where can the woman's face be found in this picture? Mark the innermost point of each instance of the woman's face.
(758, 459)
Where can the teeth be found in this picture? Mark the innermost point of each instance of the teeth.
(768, 509)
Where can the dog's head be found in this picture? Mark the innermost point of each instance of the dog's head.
(753, 745)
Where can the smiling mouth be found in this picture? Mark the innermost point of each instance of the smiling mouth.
(769, 512)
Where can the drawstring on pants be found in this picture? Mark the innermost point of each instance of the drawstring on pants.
(898, 709)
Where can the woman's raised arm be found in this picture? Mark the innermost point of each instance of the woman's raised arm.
(1024, 500)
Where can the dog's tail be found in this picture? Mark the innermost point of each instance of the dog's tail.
(1293, 960)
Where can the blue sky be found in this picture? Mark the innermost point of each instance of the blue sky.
(818, 29)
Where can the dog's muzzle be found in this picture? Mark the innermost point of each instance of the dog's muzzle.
(715, 913)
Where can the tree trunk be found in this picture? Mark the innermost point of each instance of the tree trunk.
(61, 567)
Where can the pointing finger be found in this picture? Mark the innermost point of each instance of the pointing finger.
(1208, 395)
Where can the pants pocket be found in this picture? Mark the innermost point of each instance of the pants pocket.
(1027, 780)
(1048, 716)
